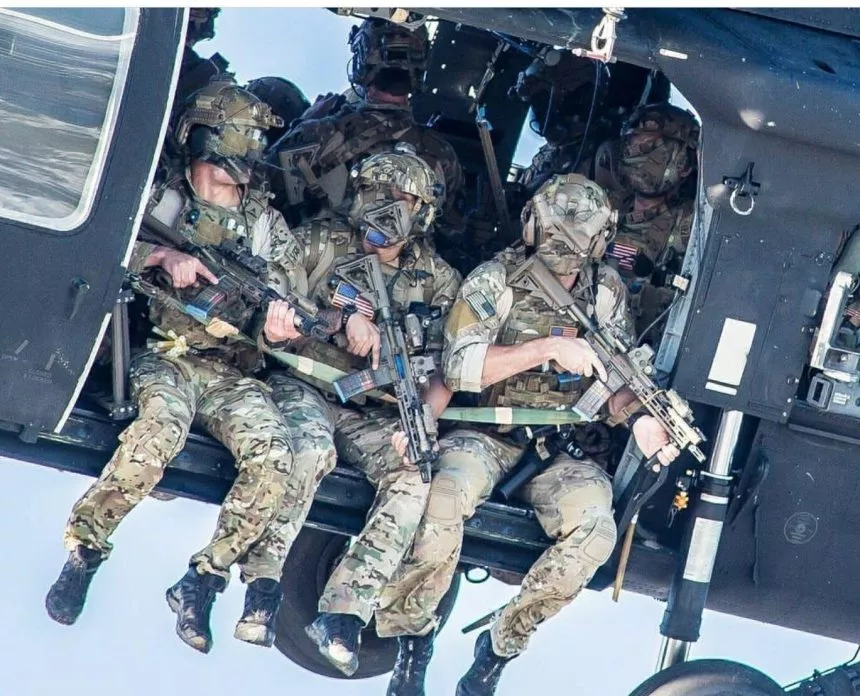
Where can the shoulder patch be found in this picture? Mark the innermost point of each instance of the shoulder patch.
(481, 304)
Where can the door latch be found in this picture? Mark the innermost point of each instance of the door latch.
(744, 191)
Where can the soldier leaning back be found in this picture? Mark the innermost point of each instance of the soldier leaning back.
(221, 130)
(317, 154)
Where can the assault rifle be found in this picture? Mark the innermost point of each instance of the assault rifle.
(239, 273)
(397, 367)
(626, 365)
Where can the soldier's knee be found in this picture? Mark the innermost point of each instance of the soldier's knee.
(160, 437)
(583, 502)
(447, 499)
(269, 448)
(599, 542)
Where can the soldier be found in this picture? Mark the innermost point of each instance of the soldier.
(316, 156)
(497, 340)
(394, 200)
(201, 378)
(645, 173)
(285, 98)
(195, 71)
(560, 89)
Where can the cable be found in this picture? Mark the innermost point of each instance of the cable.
(657, 320)
(597, 73)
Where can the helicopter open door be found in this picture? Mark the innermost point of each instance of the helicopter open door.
(85, 98)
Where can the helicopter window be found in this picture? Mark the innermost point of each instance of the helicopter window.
(62, 74)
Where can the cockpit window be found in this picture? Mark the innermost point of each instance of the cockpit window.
(62, 73)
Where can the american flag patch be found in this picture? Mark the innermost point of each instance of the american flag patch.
(624, 253)
(346, 295)
(563, 331)
(481, 305)
(853, 312)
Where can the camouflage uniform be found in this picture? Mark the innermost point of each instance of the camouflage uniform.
(209, 385)
(655, 210)
(572, 499)
(362, 440)
(316, 155)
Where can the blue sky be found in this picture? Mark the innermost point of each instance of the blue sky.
(124, 643)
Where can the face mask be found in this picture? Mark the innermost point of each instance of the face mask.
(385, 224)
(655, 170)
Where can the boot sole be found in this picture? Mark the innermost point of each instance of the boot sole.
(255, 634)
(191, 640)
(348, 667)
(60, 617)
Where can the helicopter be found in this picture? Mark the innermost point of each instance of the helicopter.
(753, 343)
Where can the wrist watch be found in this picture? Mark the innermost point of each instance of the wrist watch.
(345, 313)
(632, 418)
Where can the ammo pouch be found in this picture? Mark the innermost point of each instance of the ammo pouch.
(538, 390)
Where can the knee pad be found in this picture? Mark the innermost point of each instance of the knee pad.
(445, 504)
(161, 440)
(599, 543)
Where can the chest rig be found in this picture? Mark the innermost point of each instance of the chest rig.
(414, 281)
(530, 318)
(206, 224)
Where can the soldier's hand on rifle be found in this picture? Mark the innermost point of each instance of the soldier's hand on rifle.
(280, 322)
(362, 338)
(576, 356)
(182, 268)
(399, 441)
(652, 439)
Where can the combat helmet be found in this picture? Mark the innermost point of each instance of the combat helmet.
(569, 221)
(380, 210)
(389, 56)
(201, 24)
(226, 125)
(657, 149)
(560, 89)
(283, 96)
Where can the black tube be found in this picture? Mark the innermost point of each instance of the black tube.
(688, 593)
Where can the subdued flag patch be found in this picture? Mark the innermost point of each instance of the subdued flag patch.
(481, 305)
(624, 253)
(346, 295)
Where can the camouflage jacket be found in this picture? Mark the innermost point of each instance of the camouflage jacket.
(305, 260)
(176, 204)
(659, 233)
(489, 312)
(316, 154)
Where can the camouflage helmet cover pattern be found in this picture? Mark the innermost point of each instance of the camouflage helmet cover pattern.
(376, 207)
(379, 44)
(569, 220)
(660, 161)
(233, 121)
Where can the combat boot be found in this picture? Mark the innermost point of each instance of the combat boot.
(410, 669)
(191, 599)
(483, 676)
(262, 600)
(66, 598)
(338, 637)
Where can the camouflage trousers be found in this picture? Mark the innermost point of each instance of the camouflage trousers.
(364, 441)
(317, 430)
(310, 428)
(171, 394)
(573, 502)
